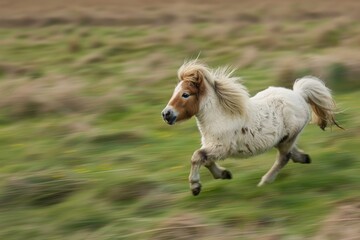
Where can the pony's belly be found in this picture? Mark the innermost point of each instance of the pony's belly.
(247, 151)
(243, 154)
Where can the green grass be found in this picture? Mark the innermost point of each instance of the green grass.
(129, 168)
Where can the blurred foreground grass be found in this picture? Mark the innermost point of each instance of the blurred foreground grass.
(85, 154)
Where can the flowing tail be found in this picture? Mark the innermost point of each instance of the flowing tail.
(318, 96)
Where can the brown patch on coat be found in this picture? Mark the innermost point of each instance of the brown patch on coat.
(203, 156)
(284, 139)
(192, 82)
(244, 130)
(252, 133)
(188, 107)
(248, 148)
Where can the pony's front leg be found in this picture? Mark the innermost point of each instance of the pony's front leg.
(205, 157)
(198, 158)
(217, 171)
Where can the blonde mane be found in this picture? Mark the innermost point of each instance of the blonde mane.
(232, 95)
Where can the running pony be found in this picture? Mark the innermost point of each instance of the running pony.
(233, 124)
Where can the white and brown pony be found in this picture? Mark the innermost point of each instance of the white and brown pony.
(232, 124)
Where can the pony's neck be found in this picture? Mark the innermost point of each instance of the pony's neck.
(213, 120)
(225, 105)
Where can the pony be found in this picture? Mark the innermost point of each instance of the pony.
(233, 124)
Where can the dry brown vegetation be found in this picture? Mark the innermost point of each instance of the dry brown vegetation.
(22, 97)
(186, 226)
(25, 97)
(42, 189)
(343, 223)
(14, 69)
(112, 12)
(340, 67)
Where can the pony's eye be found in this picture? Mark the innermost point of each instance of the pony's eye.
(185, 95)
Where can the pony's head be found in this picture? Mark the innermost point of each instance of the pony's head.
(196, 81)
(185, 100)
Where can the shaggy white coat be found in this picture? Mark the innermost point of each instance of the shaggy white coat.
(269, 116)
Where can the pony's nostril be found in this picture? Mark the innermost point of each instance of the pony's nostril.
(166, 113)
(169, 116)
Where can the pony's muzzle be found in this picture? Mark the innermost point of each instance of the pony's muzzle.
(169, 115)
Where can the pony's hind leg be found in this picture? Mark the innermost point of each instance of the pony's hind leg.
(284, 154)
(281, 161)
(299, 156)
(217, 171)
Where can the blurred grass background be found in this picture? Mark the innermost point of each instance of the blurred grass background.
(85, 154)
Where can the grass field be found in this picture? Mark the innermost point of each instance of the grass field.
(85, 154)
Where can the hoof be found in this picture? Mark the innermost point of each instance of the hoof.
(303, 159)
(260, 184)
(264, 181)
(307, 159)
(226, 175)
(196, 189)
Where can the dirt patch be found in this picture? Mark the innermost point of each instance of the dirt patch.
(40, 189)
(120, 137)
(183, 226)
(130, 191)
(14, 69)
(343, 223)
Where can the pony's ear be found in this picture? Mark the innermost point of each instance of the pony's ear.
(196, 77)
